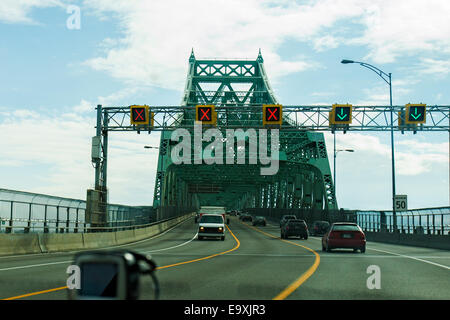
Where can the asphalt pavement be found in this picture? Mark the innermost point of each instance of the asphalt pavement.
(252, 263)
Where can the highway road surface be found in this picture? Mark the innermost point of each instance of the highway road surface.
(252, 263)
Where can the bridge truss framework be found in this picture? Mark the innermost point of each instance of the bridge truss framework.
(304, 179)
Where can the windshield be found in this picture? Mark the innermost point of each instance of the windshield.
(345, 227)
(211, 219)
(139, 125)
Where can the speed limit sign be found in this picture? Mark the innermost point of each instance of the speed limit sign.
(401, 202)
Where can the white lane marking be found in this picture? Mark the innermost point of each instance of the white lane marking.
(344, 254)
(36, 265)
(414, 258)
(409, 257)
(118, 246)
(173, 247)
(71, 261)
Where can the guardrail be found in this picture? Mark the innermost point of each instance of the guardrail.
(26, 212)
(432, 221)
(31, 243)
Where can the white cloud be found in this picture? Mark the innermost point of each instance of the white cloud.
(379, 95)
(57, 149)
(24, 113)
(158, 35)
(17, 11)
(84, 106)
(412, 157)
(325, 43)
(434, 66)
(364, 177)
(405, 27)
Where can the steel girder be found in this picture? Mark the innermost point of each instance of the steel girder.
(304, 176)
(297, 118)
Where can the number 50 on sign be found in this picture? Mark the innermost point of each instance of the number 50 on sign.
(401, 203)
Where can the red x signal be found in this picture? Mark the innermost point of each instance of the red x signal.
(139, 115)
(272, 114)
(205, 114)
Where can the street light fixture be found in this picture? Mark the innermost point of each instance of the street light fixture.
(387, 77)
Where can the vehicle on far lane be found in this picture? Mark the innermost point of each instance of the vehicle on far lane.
(285, 218)
(294, 228)
(246, 217)
(259, 220)
(344, 235)
(319, 228)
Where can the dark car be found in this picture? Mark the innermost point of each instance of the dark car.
(294, 228)
(246, 217)
(344, 235)
(319, 228)
(285, 218)
(259, 220)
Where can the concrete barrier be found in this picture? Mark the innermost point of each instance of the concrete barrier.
(56, 242)
(125, 236)
(12, 244)
(417, 240)
(144, 233)
(99, 240)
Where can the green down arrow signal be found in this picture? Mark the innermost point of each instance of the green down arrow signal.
(342, 116)
(415, 115)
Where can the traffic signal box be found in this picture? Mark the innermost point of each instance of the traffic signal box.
(340, 114)
(415, 113)
(205, 114)
(272, 114)
(139, 115)
(142, 118)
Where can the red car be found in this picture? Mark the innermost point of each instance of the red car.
(344, 235)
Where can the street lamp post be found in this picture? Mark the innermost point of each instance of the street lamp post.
(387, 77)
(334, 162)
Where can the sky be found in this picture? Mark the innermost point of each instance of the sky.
(60, 58)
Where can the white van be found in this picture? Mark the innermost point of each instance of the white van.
(211, 225)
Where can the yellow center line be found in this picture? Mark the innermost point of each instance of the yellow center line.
(35, 293)
(238, 244)
(298, 282)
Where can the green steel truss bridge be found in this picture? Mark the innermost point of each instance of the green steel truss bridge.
(238, 89)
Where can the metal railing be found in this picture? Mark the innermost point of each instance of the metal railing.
(432, 221)
(25, 212)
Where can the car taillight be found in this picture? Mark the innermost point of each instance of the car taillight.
(287, 228)
(362, 235)
(332, 235)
